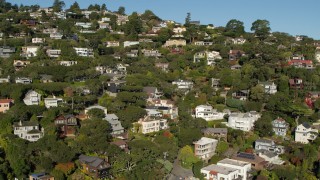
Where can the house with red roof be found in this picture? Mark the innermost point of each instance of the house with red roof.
(297, 63)
(5, 104)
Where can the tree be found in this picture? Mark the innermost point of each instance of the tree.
(261, 28)
(187, 157)
(263, 126)
(197, 170)
(75, 8)
(234, 28)
(94, 136)
(134, 26)
(58, 5)
(187, 20)
(257, 93)
(96, 113)
(121, 10)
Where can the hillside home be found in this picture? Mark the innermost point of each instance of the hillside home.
(216, 133)
(215, 83)
(297, 57)
(280, 127)
(40, 176)
(163, 66)
(56, 35)
(28, 22)
(152, 92)
(5, 105)
(179, 30)
(151, 53)
(104, 25)
(304, 133)
(122, 145)
(268, 145)
(243, 167)
(28, 130)
(205, 148)
(95, 167)
(210, 57)
(38, 40)
(115, 124)
(130, 43)
(271, 157)
(32, 98)
(269, 87)
(296, 83)
(84, 52)
(45, 78)
(122, 69)
(238, 41)
(208, 113)
(5, 80)
(306, 64)
(122, 19)
(112, 43)
(183, 84)
(152, 112)
(19, 64)
(53, 53)
(149, 124)
(241, 95)
(66, 125)
(311, 97)
(257, 163)
(23, 80)
(67, 63)
(166, 107)
(243, 121)
(6, 51)
(133, 53)
(202, 43)
(216, 172)
(115, 86)
(235, 55)
(175, 42)
(236, 67)
(85, 25)
(87, 13)
(29, 51)
(52, 102)
(50, 31)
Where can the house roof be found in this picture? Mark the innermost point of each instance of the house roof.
(205, 140)
(215, 130)
(306, 125)
(233, 162)
(264, 141)
(149, 90)
(110, 117)
(91, 161)
(6, 101)
(214, 169)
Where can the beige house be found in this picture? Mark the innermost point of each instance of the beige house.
(151, 124)
(205, 148)
(5, 104)
(175, 42)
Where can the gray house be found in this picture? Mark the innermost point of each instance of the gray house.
(6, 51)
(268, 145)
(280, 127)
(115, 124)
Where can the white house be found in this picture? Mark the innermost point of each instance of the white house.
(208, 113)
(239, 40)
(5, 80)
(217, 172)
(115, 124)
(54, 53)
(38, 40)
(84, 25)
(268, 145)
(271, 157)
(280, 127)
(183, 84)
(243, 121)
(242, 167)
(210, 56)
(179, 30)
(112, 43)
(304, 133)
(67, 63)
(130, 43)
(28, 130)
(56, 35)
(84, 52)
(269, 87)
(23, 80)
(203, 43)
(151, 124)
(32, 98)
(29, 51)
(52, 102)
(205, 148)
